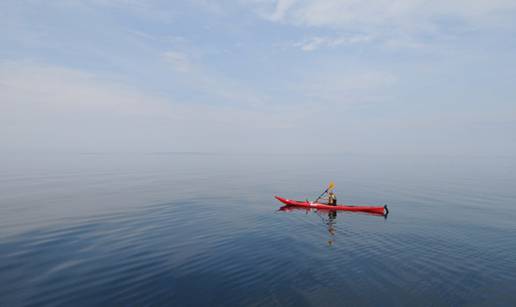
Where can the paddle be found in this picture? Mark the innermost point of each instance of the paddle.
(330, 187)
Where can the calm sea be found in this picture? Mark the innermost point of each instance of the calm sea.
(205, 230)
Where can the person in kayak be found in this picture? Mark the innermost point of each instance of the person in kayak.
(332, 199)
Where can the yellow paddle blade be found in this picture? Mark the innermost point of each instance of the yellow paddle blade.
(331, 186)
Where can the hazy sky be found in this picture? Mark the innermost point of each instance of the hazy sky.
(398, 76)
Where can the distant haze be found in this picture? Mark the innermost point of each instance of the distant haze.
(286, 76)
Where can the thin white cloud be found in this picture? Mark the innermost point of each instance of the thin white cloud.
(318, 42)
(282, 6)
(178, 60)
(395, 24)
(358, 13)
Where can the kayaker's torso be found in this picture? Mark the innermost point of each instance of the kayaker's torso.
(332, 199)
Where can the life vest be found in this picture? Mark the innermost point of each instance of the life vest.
(332, 199)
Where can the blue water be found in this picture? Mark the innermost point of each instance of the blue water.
(204, 230)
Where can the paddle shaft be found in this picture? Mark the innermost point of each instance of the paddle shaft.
(321, 195)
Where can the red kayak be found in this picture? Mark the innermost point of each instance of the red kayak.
(306, 204)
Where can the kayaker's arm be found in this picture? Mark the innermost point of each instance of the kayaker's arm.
(330, 187)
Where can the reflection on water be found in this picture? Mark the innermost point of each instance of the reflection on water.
(328, 217)
(332, 216)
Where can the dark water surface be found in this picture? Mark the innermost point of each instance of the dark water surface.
(194, 230)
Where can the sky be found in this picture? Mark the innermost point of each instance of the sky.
(259, 76)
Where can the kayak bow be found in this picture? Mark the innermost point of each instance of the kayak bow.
(306, 204)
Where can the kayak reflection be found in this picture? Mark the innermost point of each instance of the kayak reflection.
(328, 217)
(288, 208)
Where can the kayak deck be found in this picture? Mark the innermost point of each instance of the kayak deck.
(306, 204)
